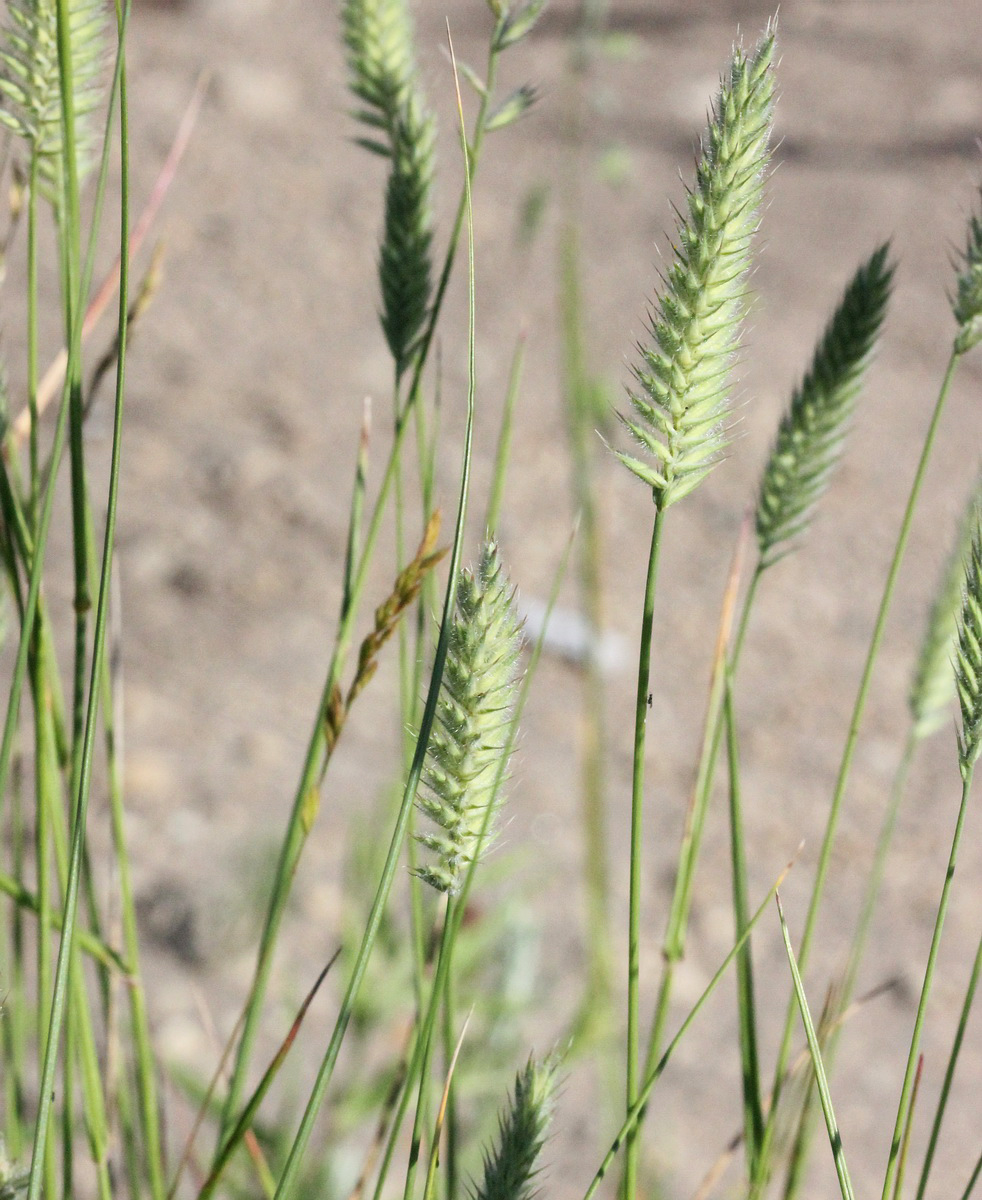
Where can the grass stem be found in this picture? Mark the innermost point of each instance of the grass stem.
(845, 766)
(641, 709)
(949, 1074)
(915, 1041)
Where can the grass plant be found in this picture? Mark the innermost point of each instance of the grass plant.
(679, 409)
(427, 920)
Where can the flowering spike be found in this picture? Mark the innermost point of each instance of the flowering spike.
(682, 379)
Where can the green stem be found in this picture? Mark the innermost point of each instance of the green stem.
(637, 805)
(503, 449)
(68, 1105)
(14, 1030)
(409, 668)
(70, 244)
(45, 1161)
(146, 1066)
(878, 870)
(949, 1074)
(915, 1040)
(898, 1184)
(426, 602)
(248, 1117)
(450, 1122)
(26, 899)
(400, 1109)
(424, 1045)
(821, 1081)
(799, 1156)
(753, 1119)
(81, 798)
(30, 609)
(79, 1035)
(673, 947)
(32, 337)
(859, 710)
(644, 1095)
(352, 551)
(973, 1179)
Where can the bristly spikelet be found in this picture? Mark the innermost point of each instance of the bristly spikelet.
(510, 1167)
(379, 38)
(968, 655)
(683, 374)
(473, 715)
(967, 301)
(30, 82)
(932, 687)
(811, 433)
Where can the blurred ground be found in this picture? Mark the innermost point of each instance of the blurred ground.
(246, 392)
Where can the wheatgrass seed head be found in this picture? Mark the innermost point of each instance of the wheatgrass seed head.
(378, 35)
(967, 301)
(463, 763)
(680, 402)
(405, 273)
(511, 1165)
(968, 655)
(30, 82)
(809, 441)
(932, 688)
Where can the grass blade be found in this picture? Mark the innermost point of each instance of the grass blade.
(644, 1095)
(269, 1075)
(821, 1082)
(746, 1003)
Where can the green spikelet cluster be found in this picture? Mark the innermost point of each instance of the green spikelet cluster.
(683, 375)
(516, 22)
(810, 437)
(378, 35)
(510, 1167)
(932, 686)
(379, 39)
(30, 83)
(473, 716)
(968, 656)
(404, 256)
(967, 301)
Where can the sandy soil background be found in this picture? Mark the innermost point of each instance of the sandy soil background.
(245, 400)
